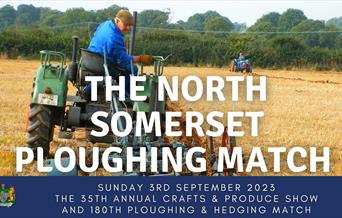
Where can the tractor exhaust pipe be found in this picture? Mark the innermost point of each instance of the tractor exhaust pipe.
(74, 48)
(72, 68)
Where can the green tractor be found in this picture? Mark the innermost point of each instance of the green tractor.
(52, 106)
(47, 108)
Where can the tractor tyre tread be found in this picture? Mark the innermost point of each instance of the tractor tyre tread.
(40, 128)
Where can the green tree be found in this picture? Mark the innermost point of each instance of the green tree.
(331, 38)
(267, 23)
(197, 21)
(272, 17)
(49, 17)
(153, 18)
(7, 16)
(288, 51)
(290, 18)
(263, 26)
(337, 21)
(310, 39)
(27, 14)
(312, 36)
(219, 24)
(107, 13)
(76, 16)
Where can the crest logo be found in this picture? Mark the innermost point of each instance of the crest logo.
(7, 196)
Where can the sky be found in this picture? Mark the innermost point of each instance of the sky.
(243, 11)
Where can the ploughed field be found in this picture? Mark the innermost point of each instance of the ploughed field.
(303, 108)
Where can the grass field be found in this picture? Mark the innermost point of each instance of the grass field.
(303, 108)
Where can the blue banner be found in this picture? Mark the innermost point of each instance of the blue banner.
(55, 197)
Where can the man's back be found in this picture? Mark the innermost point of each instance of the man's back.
(109, 36)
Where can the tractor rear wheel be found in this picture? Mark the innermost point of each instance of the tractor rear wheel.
(40, 129)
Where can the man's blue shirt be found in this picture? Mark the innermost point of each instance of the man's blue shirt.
(109, 35)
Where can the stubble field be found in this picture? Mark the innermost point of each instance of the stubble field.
(303, 108)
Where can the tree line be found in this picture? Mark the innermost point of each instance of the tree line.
(287, 40)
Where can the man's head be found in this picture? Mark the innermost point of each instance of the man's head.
(124, 20)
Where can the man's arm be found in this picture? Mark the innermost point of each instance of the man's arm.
(121, 56)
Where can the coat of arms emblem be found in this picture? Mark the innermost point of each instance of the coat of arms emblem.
(7, 196)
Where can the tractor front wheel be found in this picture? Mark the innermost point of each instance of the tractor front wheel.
(40, 129)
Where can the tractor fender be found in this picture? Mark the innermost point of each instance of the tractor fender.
(50, 86)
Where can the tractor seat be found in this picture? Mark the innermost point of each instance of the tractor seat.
(93, 62)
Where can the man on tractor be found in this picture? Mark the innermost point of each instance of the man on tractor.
(241, 56)
(110, 35)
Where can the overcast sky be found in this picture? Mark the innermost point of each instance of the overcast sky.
(242, 11)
